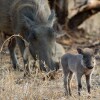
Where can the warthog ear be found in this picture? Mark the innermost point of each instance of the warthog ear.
(29, 23)
(80, 51)
(51, 18)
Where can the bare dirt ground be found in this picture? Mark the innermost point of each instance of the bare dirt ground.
(13, 86)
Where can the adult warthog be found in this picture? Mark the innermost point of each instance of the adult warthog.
(33, 20)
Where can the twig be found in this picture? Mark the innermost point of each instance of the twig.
(1, 49)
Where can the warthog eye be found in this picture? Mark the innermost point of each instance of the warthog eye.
(51, 33)
(32, 36)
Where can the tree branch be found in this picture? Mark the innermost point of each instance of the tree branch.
(83, 15)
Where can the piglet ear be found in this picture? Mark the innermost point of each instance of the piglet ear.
(79, 50)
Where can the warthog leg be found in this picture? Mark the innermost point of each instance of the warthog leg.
(88, 83)
(21, 45)
(11, 47)
(65, 82)
(69, 79)
(79, 76)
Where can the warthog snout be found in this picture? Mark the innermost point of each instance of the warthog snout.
(90, 67)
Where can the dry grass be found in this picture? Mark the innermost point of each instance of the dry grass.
(13, 86)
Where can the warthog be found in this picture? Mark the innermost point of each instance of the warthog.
(33, 20)
(80, 64)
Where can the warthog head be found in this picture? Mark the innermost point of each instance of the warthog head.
(88, 57)
(42, 39)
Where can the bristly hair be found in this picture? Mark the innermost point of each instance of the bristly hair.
(39, 10)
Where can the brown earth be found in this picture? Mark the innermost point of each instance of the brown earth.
(13, 86)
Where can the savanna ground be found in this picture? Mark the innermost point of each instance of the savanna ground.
(13, 86)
